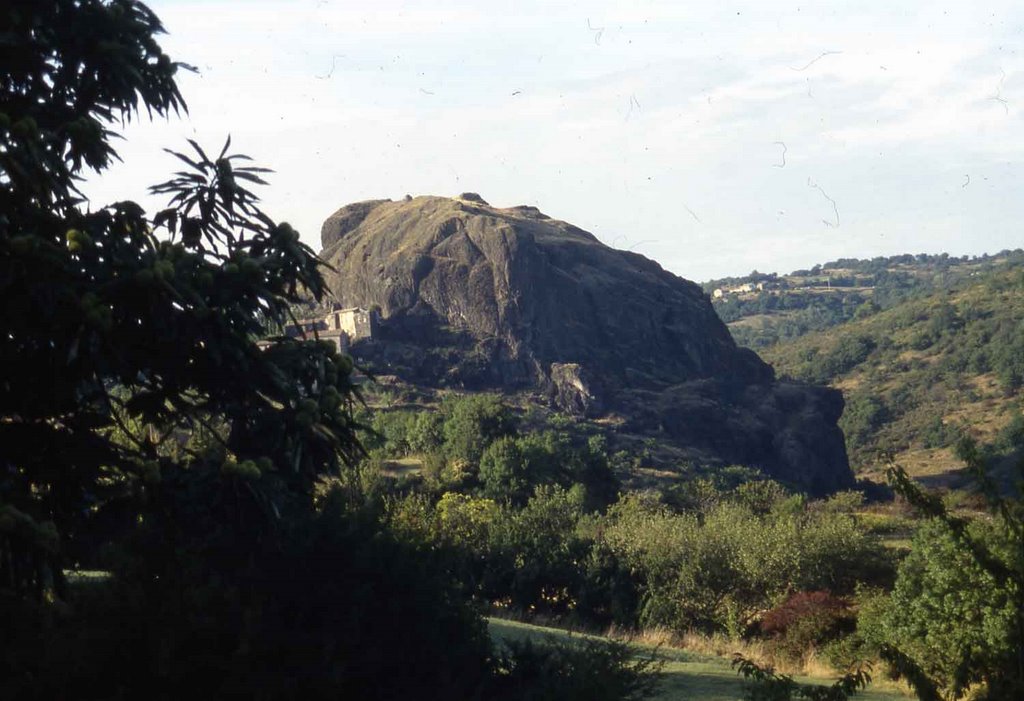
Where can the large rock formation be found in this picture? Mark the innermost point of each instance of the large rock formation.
(477, 296)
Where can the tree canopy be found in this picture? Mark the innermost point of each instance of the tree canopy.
(126, 335)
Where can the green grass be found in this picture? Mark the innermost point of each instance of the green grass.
(400, 467)
(686, 675)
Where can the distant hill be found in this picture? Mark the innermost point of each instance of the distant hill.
(942, 359)
(476, 297)
(764, 309)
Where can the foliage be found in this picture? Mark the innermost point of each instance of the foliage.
(199, 607)
(464, 521)
(426, 433)
(575, 670)
(956, 615)
(512, 467)
(504, 470)
(471, 423)
(788, 314)
(946, 612)
(390, 433)
(69, 70)
(476, 444)
(699, 490)
(863, 416)
(642, 564)
(829, 295)
(541, 551)
(720, 570)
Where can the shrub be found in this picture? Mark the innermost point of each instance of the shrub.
(940, 434)
(578, 670)
(426, 432)
(1011, 437)
(806, 621)
(541, 551)
(392, 430)
(863, 416)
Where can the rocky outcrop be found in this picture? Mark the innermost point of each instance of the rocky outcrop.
(345, 220)
(543, 290)
(478, 296)
(786, 429)
(575, 390)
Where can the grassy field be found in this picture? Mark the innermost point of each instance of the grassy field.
(686, 675)
(401, 467)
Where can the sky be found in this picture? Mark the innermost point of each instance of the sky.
(714, 137)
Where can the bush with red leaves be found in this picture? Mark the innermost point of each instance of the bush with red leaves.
(806, 621)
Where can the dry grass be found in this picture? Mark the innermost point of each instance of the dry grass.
(698, 666)
(755, 320)
(929, 462)
(725, 647)
(848, 384)
(811, 666)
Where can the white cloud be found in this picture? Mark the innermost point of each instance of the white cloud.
(618, 116)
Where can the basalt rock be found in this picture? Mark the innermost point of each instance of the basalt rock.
(477, 296)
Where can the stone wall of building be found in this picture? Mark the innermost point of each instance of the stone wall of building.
(341, 326)
(356, 322)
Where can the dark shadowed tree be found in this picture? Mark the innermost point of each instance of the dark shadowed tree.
(126, 335)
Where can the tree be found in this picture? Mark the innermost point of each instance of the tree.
(138, 410)
(136, 407)
(962, 589)
(126, 334)
(472, 423)
(863, 416)
(503, 471)
(948, 613)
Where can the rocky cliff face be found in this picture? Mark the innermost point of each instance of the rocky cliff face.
(477, 296)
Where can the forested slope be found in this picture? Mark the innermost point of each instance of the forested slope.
(922, 373)
(764, 309)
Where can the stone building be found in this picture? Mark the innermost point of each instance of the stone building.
(355, 321)
(341, 326)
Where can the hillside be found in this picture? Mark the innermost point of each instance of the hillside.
(474, 297)
(946, 362)
(764, 309)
